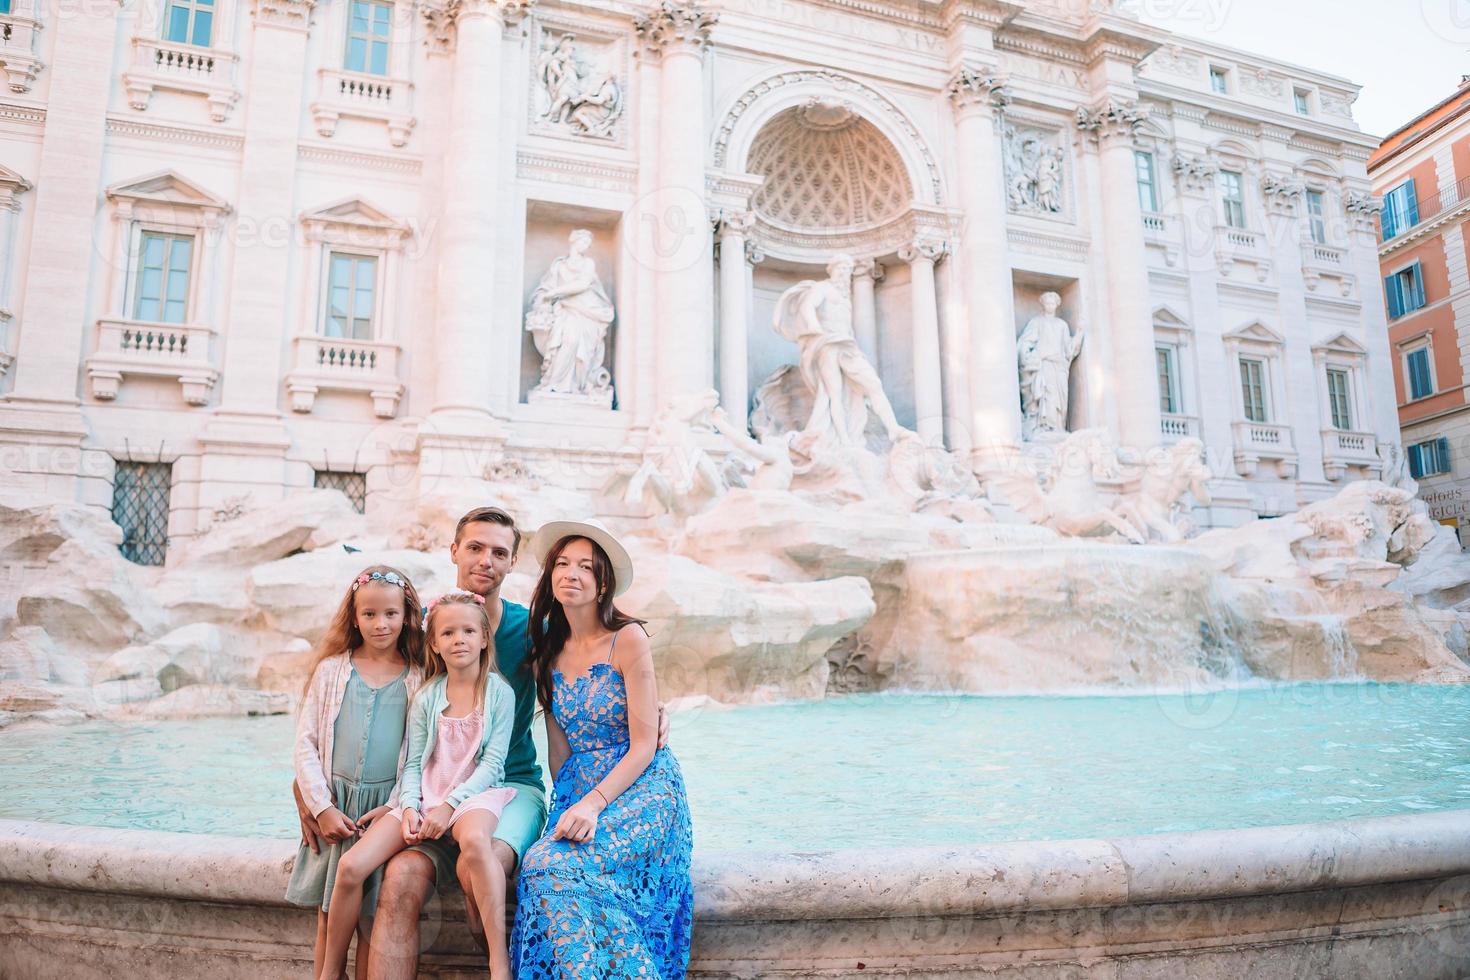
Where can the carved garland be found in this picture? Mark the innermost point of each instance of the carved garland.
(870, 97)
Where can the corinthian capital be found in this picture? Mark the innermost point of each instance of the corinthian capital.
(291, 14)
(922, 248)
(441, 16)
(976, 87)
(674, 24)
(1113, 119)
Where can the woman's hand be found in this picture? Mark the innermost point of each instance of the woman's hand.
(579, 823)
(373, 814)
(436, 821)
(335, 825)
(412, 822)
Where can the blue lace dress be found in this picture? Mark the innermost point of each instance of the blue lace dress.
(620, 905)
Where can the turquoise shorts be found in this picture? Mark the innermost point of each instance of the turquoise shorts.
(520, 825)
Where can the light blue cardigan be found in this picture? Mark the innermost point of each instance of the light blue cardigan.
(423, 726)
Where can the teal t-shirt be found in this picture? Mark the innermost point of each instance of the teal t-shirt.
(512, 647)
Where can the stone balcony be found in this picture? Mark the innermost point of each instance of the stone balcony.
(18, 32)
(336, 364)
(1161, 234)
(1344, 451)
(159, 64)
(145, 349)
(1174, 427)
(1257, 442)
(361, 96)
(1327, 263)
(1240, 248)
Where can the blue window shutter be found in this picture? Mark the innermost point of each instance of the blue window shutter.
(1391, 291)
(1416, 462)
(1442, 450)
(1417, 300)
(1411, 204)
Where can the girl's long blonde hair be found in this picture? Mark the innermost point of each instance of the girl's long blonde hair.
(435, 663)
(343, 634)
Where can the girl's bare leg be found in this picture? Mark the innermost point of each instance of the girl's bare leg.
(471, 903)
(473, 833)
(364, 939)
(321, 943)
(382, 840)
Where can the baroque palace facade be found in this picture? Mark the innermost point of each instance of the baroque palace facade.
(251, 245)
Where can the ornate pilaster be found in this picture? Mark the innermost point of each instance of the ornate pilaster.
(1362, 210)
(675, 23)
(293, 15)
(1196, 175)
(977, 87)
(1112, 120)
(866, 274)
(441, 17)
(1280, 194)
(921, 254)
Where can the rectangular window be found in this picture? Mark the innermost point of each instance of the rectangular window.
(1400, 210)
(1253, 389)
(187, 22)
(1148, 191)
(1416, 370)
(1168, 386)
(1232, 196)
(140, 493)
(1303, 102)
(351, 284)
(1339, 400)
(1429, 458)
(161, 290)
(1404, 290)
(1219, 81)
(368, 23)
(354, 485)
(1317, 216)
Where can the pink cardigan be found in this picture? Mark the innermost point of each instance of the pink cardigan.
(318, 719)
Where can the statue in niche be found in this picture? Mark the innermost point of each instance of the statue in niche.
(1045, 351)
(816, 315)
(1033, 172)
(568, 320)
(588, 102)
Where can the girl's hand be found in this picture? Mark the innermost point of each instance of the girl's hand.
(411, 824)
(579, 823)
(367, 818)
(335, 825)
(436, 821)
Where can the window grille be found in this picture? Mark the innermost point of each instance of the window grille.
(354, 485)
(140, 495)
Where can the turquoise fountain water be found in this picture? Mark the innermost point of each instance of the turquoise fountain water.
(870, 770)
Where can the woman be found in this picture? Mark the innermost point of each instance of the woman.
(606, 892)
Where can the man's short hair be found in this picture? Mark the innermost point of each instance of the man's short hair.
(490, 515)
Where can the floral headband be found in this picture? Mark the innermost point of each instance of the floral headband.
(451, 595)
(392, 578)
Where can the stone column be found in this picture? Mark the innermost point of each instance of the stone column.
(734, 315)
(994, 419)
(677, 32)
(921, 254)
(1110, 125)
(41, 428)
(466, 236)
(865, 276)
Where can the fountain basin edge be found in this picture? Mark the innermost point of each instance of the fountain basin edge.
(1383, 898)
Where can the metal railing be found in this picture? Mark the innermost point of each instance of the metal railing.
(1397, 220)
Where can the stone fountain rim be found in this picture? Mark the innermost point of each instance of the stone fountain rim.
(741, 886)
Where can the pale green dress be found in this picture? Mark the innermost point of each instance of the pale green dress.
(366, 742)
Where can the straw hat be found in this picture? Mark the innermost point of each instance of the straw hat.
(594, 530)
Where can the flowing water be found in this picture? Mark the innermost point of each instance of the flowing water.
(870, 770)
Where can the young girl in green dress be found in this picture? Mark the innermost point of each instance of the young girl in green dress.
(351, 734)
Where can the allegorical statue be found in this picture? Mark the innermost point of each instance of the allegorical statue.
(568, 320)
(1046, 348)
(585, 101)
(816, 315)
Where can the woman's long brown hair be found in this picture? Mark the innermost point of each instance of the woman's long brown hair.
(549, 628)
(343, 634)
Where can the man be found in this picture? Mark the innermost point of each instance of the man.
(486, 541)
